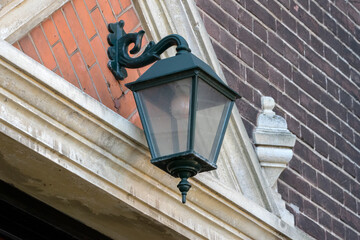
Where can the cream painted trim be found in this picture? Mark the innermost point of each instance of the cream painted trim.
(18, 21)
(5, 8)
(108, 152)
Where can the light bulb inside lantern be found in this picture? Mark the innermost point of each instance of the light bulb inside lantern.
(180, 107)
(180, 102)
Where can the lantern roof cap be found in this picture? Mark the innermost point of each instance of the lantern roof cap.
(179, 63)
(175, 67)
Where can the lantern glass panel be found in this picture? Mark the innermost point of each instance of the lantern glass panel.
(211, 111)
(166, 110)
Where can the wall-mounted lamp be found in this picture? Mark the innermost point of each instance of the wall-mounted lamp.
(183, 105)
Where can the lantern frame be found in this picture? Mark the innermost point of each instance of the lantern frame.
(184, 65)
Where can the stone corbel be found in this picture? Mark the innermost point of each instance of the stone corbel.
(273, 141)
(274, 147)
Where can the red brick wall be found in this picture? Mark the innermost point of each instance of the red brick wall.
(306, 55)
(72, 43)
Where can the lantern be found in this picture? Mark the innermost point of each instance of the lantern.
(184, 109)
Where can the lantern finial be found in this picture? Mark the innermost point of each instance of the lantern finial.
(184, 186)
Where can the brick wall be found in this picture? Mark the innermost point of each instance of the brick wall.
(306, 55)
(72, 42)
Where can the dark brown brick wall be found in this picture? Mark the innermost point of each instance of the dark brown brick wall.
(306, 55)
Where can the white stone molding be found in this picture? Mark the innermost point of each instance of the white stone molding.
(20, 16)
(8, 5)
(73, 153)
(274, 147)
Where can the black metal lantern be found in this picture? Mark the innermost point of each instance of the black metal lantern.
(183, 105)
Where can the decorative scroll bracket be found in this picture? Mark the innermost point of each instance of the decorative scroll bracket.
(118, 52)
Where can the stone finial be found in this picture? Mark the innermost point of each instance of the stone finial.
(273, 141)
(267, 105)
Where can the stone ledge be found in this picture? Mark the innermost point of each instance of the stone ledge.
(274, 137)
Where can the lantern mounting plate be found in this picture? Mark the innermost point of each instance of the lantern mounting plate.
(118, 52)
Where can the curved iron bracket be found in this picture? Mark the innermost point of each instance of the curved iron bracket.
(118, 52)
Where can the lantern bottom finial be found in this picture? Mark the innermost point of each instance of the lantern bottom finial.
(183, 169)
(184, 185)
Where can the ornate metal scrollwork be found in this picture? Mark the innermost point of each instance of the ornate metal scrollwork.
(118, 51)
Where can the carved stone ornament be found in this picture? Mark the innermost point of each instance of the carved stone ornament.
(274, 147)
(273, 141)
